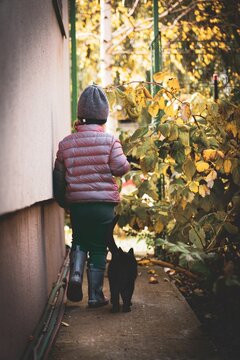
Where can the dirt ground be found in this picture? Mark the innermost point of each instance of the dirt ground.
(161, 326)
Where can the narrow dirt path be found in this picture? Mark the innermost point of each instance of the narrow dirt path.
(161, 326)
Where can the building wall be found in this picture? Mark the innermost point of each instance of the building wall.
(31, 253)
(34, 99)
(34, 117)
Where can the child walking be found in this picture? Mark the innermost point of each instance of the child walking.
(83, 180)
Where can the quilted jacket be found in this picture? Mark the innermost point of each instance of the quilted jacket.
(85, 166)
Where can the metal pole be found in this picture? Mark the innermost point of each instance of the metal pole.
(157, 57)
(73, 59)
(156, 35)
(215, 88)
(156, 48)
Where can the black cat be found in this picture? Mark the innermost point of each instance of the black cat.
(122, 273)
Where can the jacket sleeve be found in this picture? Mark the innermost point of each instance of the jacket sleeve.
(59, 182)
(118, 162)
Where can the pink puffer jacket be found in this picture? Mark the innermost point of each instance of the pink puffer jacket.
(85, 165)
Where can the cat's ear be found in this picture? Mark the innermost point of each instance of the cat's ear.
(120, 250)
(131, 252)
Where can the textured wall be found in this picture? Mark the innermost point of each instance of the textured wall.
(34, 116)
(34, 99)
(31, 253)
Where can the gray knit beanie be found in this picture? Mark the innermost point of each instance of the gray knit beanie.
(93, 104)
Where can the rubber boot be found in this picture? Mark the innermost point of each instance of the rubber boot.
(95, 287)
(77, 263)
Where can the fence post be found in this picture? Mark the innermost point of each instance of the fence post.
(215, 87)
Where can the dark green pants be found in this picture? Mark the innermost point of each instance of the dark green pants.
(90, 223)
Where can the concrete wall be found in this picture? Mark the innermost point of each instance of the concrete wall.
(31, 253)
(34, 116)
(34, 99)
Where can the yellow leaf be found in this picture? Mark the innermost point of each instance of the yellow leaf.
(158, 77)
(179, 121)
(161, 103)
(201, 166)
(144, 262)
(173, 84)
(185, 111)
(211, 176)
(158, 227)
(193, 186)
(152, 271)
(220, 153)
(163, 168)
(209, 154)
(147, 93)
(183, 203)
(198, 103)
(197, 157)
(153, 280)
(231, 127)
(187, 150)
(158, 95)
(129, 90)
(153, 109)
(219, 164)
(140, 97)
(169, 110)
(227, 165)
(203, 190)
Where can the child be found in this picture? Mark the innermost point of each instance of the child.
(84, 171)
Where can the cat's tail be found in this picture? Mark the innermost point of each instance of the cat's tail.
(110, 239)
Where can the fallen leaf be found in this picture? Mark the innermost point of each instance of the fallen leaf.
(152, 280)
(65, 324)
(208, 316)
(151, 271)
(198, 292)
(144, 262)
(166, 269)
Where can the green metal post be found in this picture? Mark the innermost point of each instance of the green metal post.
(73, 59)
(156, 35)
(156, 45)
(156, 48)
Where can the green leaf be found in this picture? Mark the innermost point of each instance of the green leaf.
(189, 169)
(205, 203)
(139, 133)
(213, 142)
(231, 229)
(200, 267)
(147, 188)
(183, 132)
(141, 212)
(173, 133)
(148, 163)
(164, 129)
(178, 152)
(197, 236)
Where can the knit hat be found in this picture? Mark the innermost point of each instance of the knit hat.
(93, 104)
